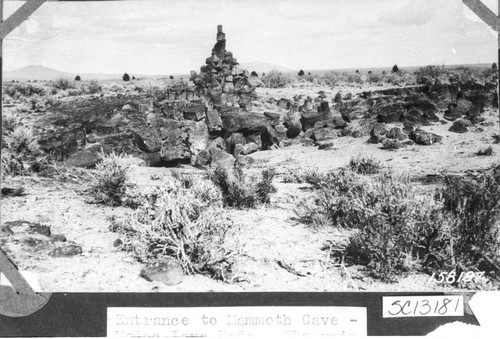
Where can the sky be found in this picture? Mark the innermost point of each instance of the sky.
(176, 36)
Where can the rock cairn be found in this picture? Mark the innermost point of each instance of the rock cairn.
(222, 79)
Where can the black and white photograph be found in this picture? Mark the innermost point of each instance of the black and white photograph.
(251, 146)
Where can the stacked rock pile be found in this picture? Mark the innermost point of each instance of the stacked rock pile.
(222, 79)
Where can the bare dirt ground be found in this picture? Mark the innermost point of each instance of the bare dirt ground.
(279, 254)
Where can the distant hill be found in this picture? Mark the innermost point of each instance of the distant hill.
(35, 72)
(261, 67)
(38, 72)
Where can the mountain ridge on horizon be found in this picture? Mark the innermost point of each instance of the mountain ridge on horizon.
(40, 72)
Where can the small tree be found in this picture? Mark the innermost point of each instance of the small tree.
(254, 74)
(77, 78)
(171, 77)
(301, 73)
(494, 67)
(395, 69)
(126, 77)
(133, 77)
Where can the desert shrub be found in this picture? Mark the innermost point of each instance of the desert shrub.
(331, 202)
(392, 222)
(240, 189)
(12, 164)
(75, 91)
(276, 79)
(365, 166)
(18, 90)
(395, 222)
(9, 122)
(21, 141)
(158, 92)
(93, 87)
(430, 73)
(473, 205)
(488, 151)
(354, 78)
(187, 224)
(110, 180)
(63, 84)
(114, 87)
(332, 78)
(126, 77)
(310, 175)
(78, 78)
(374, 78)
(395, 69)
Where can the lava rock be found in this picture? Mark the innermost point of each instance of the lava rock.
(39, 229)
(59, 237)
(167, 271)
(244, 160)
(203, 159)
(250, 148)
(391, 144)
(377, 133)
(459, 126)
(421, 137)
(395, 133)
(390, 113)
(68, 250)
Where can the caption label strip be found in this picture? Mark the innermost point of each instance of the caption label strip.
(217, 322)
(426, 306)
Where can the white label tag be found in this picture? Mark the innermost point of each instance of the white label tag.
(425, 306)
(221, 322)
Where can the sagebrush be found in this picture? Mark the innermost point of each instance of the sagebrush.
(242, 190)
(187, 224)
(111, 180)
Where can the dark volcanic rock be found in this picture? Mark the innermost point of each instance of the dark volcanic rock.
(415, 117)
(459, 126)
(194, 111)
(325, 145)
(421, 137)
(39, 229)
(390, 113)
(293, 124)
(84, 158)
(167, 271)
(244, 160)
(237, 120)
(395, 133)
(67, 250)
(58, 237)
(221, 157)
(452, 113)
(309, 119)
(214, 122)
(377, 133)
(349, 116)
(391, 144)
(250, 148)
(203, 159)
(325, 133)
